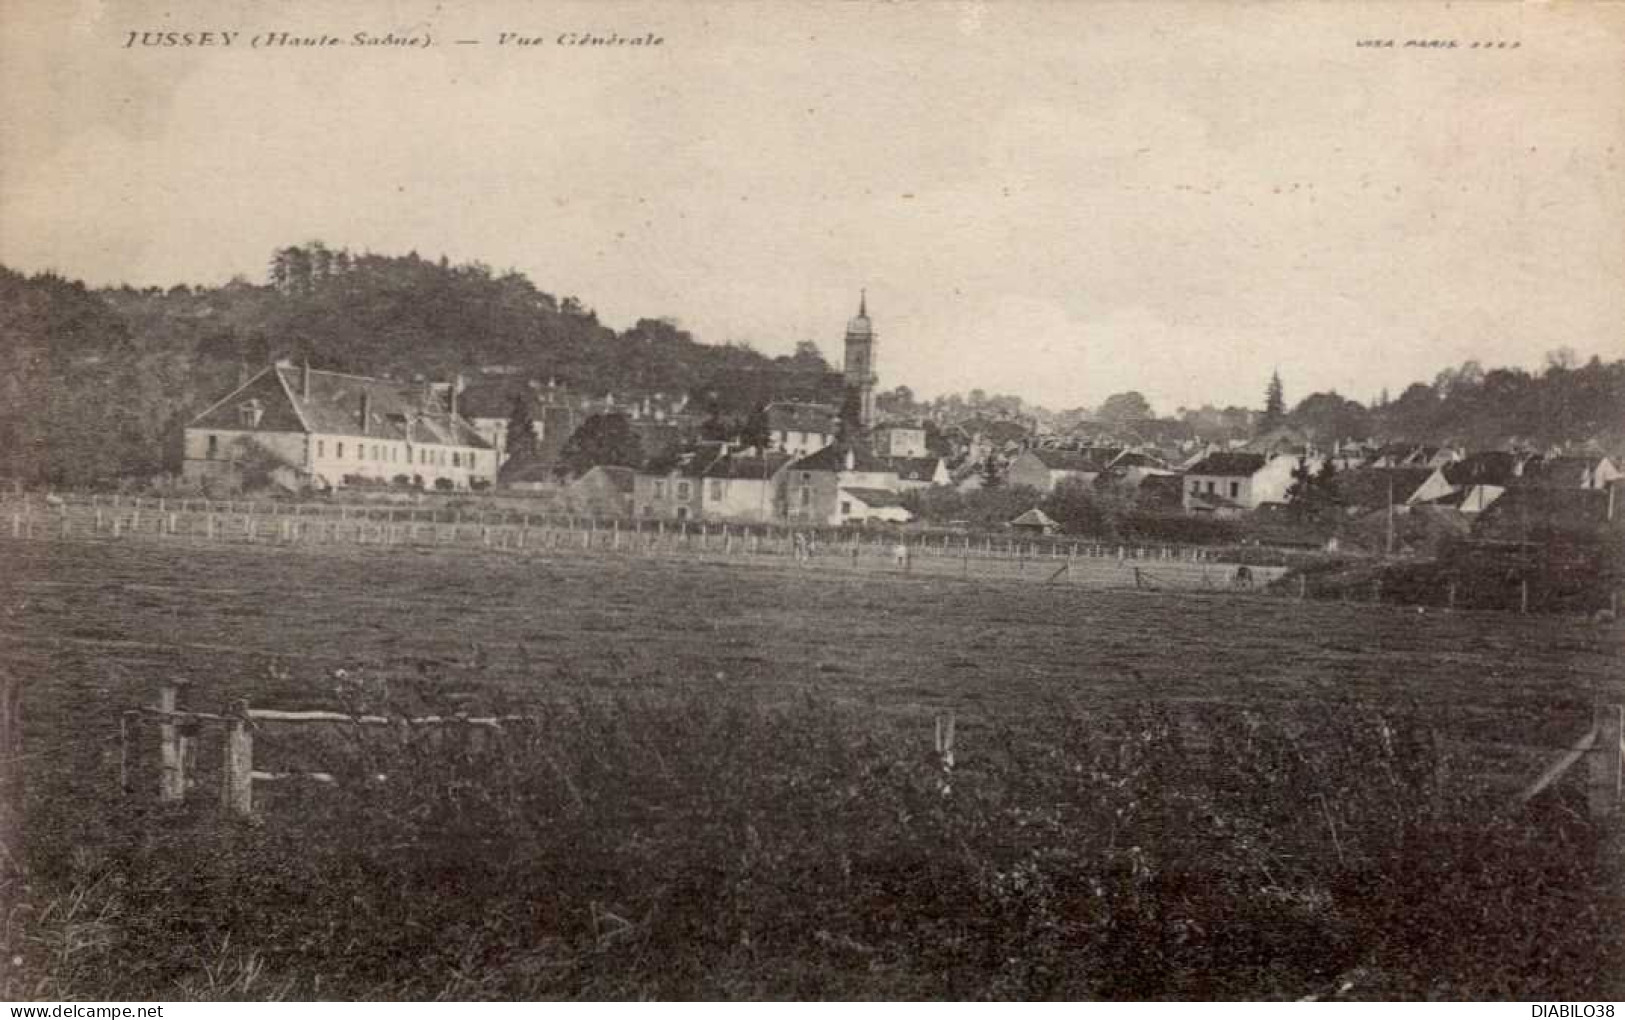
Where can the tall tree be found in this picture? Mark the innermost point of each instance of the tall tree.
(521, 427)
(1122, 408)
(755, 433)
(1274, 404)
(602, 439)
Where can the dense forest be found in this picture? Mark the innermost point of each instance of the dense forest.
(99, 383)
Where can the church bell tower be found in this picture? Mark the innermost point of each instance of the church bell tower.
(861, 348)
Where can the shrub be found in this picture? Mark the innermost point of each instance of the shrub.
(706, 847)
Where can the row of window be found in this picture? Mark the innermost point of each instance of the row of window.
(382, 452)
(389, 454)
(1196, 488)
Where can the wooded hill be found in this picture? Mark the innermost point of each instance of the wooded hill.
(97, 384)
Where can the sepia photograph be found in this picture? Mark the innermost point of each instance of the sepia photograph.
(812, 501)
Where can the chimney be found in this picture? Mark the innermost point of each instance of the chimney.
(306, 387)
(851, 459)
(453, 387)
(366, 413)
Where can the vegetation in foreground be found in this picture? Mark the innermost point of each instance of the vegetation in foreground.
(1246, 804)
(694, 848)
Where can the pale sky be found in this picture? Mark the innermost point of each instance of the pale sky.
(1058, 201)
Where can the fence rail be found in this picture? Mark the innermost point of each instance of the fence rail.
(1043, 559)
(1602, 747)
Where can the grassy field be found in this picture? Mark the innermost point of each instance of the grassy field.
(733, 793)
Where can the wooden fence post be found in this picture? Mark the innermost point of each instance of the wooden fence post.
(237, 770)
(172, 763)
(1607, 779)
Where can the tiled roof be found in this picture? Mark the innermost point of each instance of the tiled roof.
(833, 458)
(1231, 465)
(333, 405)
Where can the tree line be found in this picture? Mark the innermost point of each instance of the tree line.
(99, 383)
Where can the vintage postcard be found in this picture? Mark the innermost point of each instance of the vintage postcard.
(812, 500)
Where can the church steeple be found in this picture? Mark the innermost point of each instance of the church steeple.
(862, 345)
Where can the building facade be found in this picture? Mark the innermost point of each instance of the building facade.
(306, 428)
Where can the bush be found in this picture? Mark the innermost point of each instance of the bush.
(718, 848)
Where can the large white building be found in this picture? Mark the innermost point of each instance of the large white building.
(323, 430)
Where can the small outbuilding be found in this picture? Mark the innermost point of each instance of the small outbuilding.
(1036, 522)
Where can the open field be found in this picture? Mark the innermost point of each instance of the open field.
(843, 669)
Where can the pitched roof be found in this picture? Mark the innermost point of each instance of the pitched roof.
(1370, 486)
(619, 478)
(689, 461)
(913, 469)
(746, 466)
(833, 458)
(334, 403)
(528, 467)
(1094, 459)
(1034, 518)
(874, 499)
(1136, 458)
(1228, 464)
(1490, 467)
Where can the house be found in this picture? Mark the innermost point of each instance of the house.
(858, 504)
(742, 485)
(1035, 522)
(487, 405)
(1393, 455)
(918, 472)
(1475, 481)
(605, 489)
(529, 472)
(896, 439)
(325, 430)
(1227, 483)
(1044, 469)
(810, 487)
(800, 428)
(669, 487)
(1131, 468)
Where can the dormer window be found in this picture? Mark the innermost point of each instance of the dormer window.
(250, 413)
